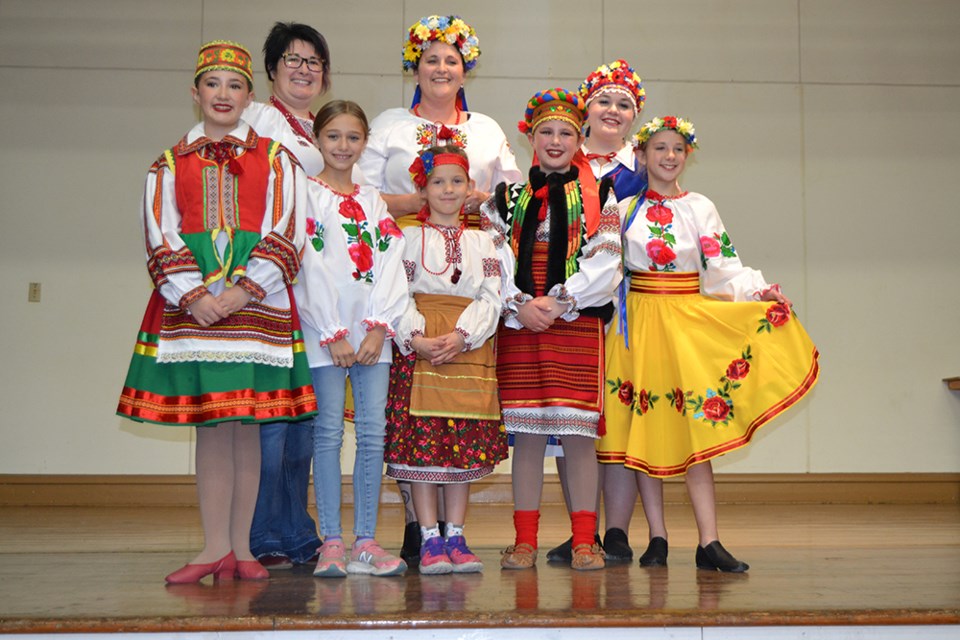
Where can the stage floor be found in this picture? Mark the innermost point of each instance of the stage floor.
(94, 570)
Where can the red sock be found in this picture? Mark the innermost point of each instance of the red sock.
(527, 524)
(584, 526)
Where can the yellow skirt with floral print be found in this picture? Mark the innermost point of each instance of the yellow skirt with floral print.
(700, 375)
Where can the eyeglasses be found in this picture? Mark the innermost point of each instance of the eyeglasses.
(294, 61)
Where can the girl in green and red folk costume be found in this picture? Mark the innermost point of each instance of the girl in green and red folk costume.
(558, 239)
(691, 376)
(220, 345)
(443, 417)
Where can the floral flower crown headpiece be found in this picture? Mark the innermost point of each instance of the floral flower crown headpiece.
(426, 162)
(552, 104)
(224, 55)
(616, 76)
(678, 124)
(450, 29)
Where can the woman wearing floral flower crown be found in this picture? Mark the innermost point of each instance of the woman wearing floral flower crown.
(613, 95)
(689, 375)
(439, 51)
(297, 60)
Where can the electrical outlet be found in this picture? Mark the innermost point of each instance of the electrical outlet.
(33, 293)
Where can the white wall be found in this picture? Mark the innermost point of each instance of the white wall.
(829, 133)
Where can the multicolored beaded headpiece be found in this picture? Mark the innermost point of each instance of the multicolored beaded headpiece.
(224, 55)
(678, 124)
(616, 76)
(449, 29)
(552, 104)
(427, 161)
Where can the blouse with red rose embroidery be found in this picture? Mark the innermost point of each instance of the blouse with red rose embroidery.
(685, 233)
(351, 278)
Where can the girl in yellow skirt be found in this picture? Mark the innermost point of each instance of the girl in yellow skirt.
(689, 376)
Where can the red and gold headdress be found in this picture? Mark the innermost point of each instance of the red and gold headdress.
(224, 55)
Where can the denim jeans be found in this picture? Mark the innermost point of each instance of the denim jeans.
(281, 524)
(370, 384)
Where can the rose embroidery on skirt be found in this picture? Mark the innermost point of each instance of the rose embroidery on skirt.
(639, 402)
(778, 314)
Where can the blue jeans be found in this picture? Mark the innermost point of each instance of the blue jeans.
(281, 524)
(370, 384)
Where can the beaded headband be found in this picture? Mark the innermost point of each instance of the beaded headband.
(449, 29)
(552, 104)
(427, 161)
(676, 123)
(226, 56)
(616, 76)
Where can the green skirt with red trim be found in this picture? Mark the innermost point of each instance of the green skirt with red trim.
(208, 392)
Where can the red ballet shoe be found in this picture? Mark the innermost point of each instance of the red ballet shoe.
(251, 570)
(222, 569)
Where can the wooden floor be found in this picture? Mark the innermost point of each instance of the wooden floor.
(101, 570)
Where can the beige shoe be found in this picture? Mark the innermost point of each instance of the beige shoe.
(519, 556)
(587, 557)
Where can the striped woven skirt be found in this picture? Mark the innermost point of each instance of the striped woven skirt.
(551, 382)
(205, 391)
(700, 376)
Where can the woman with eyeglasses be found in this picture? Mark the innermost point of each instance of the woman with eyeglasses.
(297, 61)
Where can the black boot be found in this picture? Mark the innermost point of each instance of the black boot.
(410, 551)
(715, 558)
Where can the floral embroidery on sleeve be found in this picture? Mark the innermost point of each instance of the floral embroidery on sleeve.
(386, 230)
(315, 234)
(717, 245)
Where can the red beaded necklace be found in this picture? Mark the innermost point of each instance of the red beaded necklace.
(451, 244)
(293, 120)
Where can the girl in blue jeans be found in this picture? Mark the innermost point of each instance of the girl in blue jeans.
(352, 292)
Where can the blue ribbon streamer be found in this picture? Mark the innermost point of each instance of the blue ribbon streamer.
(635, 205)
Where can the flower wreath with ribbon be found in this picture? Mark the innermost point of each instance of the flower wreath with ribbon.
(449, 29)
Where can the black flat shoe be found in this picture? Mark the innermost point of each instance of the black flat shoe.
(562, 552)
(656, 553)
(410, 551)
(715, 558)
(616, 546)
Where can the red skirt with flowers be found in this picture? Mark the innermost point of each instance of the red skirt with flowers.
(701, 375)
(431, 449)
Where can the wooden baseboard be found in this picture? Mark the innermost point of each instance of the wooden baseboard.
(765, 488)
